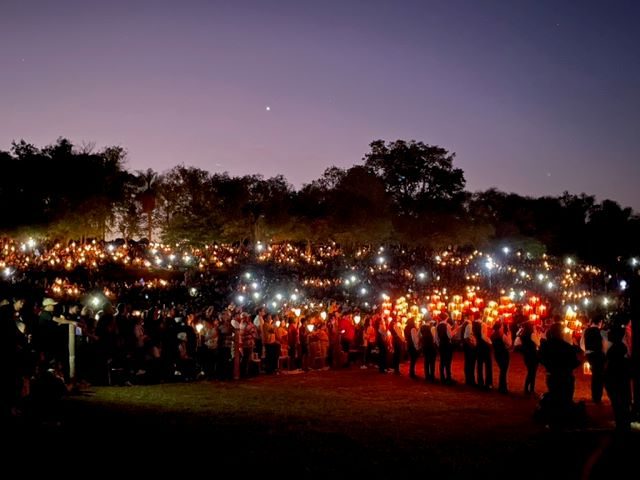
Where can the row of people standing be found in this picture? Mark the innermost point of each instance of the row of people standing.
(433, 339)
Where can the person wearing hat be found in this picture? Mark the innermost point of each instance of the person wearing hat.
(51, 337)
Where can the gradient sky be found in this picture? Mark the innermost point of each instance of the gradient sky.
(535, 97)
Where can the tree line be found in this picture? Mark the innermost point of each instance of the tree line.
(403, 192)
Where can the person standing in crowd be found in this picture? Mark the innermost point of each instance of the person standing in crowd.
(369, 341)
(484, 377)
(398, 341)
(469, 348)
(412, 336)
(258, 322)
(347, 336)
(303, 336)
(272, 347)
(501, 340)
(560, 359)
(15, 357)
(225, 347)
(529, 340)
(248, 332)
(381, 342)
(617, 377)
(592, 343)
(52, 338)
(443, 336)
(428, 350)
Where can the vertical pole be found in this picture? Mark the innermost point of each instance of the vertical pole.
(72, 351)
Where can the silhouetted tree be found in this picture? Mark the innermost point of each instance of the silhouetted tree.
(415, 174)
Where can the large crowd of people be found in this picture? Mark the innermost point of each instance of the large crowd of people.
(50, 347)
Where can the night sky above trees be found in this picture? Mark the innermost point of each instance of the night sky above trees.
(536, 97)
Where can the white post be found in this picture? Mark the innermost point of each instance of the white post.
(72, 351)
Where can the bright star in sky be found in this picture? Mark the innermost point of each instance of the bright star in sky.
(268, 108)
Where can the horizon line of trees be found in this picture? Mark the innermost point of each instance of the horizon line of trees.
(403, 192)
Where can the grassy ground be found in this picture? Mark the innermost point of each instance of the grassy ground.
(344, 422)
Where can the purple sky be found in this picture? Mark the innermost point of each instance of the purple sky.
(536, 98)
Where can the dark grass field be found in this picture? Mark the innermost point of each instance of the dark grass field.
(349, 422)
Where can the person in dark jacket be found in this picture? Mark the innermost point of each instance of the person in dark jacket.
(428, 350)
(529, 340)
(412, 338)
(443, 336)
(560, 358)
(592, 343)
(501, 340)
(617, 378)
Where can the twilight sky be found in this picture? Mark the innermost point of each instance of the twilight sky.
(534, 96)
